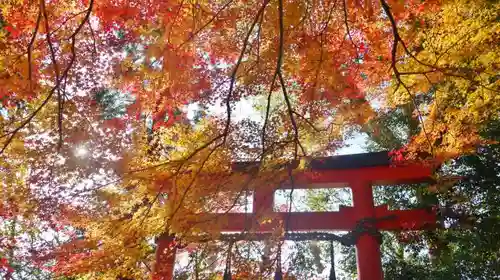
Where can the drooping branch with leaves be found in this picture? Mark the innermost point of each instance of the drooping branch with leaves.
(97, 133)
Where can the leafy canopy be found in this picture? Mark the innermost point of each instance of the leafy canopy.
(95, 140)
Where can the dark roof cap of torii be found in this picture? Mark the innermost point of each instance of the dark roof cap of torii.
(352, 161)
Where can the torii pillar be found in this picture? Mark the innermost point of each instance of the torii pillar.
(359, 172)
(165, 257)
(368, 257)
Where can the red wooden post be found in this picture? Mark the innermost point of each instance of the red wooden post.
(165, 258)
(367, 248)
(263, 200)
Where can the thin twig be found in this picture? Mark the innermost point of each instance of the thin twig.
(292, 118)
(322, 37)
(174, 20)
(184, 194)
(194, 34)
(93, 39)
(347, 27)
(308, 122)
(56, 70)
(30, 49)
(66, 20)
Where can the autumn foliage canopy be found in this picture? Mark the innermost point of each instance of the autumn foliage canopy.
(121, 119)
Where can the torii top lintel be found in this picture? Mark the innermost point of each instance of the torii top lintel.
(375, 168)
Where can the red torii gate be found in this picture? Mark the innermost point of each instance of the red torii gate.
(358, 172)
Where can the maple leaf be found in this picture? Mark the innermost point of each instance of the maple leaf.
(14, 32)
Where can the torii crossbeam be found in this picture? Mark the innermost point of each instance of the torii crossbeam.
(359, 172)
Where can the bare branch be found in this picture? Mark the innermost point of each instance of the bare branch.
(266, 118)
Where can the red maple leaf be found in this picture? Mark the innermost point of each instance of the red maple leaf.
(14, 32)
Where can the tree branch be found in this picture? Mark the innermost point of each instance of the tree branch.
(347, 28)
(236, 67)
(56, 69)
(322, 37)
(184, 194)
(397, 74)
(30, 50)
(58, 81)
(282, 81)
(206, 24)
